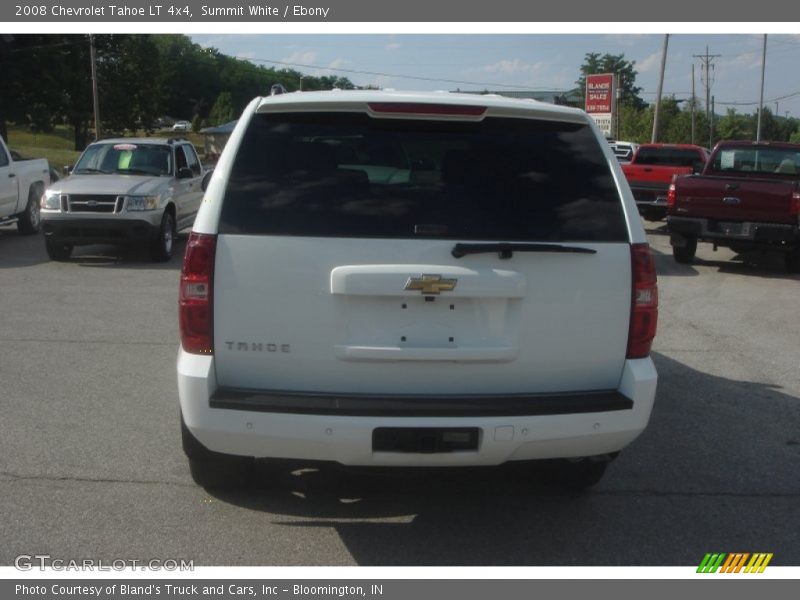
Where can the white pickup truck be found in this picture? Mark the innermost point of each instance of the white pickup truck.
(22, 183)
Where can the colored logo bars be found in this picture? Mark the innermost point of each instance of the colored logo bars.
(734, 563)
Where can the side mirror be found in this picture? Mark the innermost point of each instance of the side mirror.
(697, 166)
(206, 179)
(185, 173)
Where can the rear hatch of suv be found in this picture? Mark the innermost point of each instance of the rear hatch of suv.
(406, 248)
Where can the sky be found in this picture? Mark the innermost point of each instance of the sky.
(500, 62)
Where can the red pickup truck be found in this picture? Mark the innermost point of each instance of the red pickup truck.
(747, 198)
(651, 171)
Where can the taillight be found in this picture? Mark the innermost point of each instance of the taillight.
(795, 206)
(419, 108)
(195, 300)
(671, 196)
(644, 302)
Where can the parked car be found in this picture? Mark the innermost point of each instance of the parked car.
(747, 198)
(124, 191)
(414, 279)
(22, 182)
(651, 170)
(182, 126)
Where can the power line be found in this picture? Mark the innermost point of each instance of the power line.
(395, 76)
(776, 99)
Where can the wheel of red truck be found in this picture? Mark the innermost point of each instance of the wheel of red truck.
(30, 222)
(57, 250)
(163, 244)
(211, 469)
(685, 254)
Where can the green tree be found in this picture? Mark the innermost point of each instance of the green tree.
(73, 94)
(128, 77)
(29, 67)
(626, 73)
(222, 111)
(734, 126)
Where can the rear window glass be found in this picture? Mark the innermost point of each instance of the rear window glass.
(349, 175)
(757, 160)
(668, 156)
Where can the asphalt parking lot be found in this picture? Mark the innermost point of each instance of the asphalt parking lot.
(91, 465)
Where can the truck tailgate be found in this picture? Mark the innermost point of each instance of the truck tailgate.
(739, 200)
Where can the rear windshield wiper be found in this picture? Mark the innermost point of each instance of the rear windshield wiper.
(506, 249)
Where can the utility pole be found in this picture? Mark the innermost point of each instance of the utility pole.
(93, 58)
(654, 137)
(711, 125)
(761, 99)
(694, 102)
(706, 74)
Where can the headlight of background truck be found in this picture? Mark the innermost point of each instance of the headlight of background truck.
(136, 203)
(50, 202)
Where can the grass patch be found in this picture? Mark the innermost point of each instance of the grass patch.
(61, 138)
(57, 146)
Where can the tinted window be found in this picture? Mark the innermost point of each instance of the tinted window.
(347, 175)
(3, 157)
(668, 156)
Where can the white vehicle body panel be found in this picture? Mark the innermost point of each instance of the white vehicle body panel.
(348, 439)
(537, 329)
(16, 180)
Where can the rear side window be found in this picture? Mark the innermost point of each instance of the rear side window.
(349, 175)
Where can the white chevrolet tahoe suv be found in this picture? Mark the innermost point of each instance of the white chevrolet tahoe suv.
(124, 191)
(415, 279)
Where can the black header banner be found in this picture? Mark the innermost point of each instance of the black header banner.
(411, 11)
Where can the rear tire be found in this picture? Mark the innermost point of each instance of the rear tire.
(685, 255)
(57, 250)
(30, 222)
(211, 469)
(163, 245)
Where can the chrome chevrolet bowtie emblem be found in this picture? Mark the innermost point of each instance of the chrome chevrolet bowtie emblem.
(430, 284)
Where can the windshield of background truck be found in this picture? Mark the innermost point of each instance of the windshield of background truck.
(349, 175)
(135, 159)
(757, 160)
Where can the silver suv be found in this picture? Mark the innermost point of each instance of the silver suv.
(124, 191)
(408, 279)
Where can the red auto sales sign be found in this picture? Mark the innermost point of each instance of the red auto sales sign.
(600, 93)
(600, 100)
